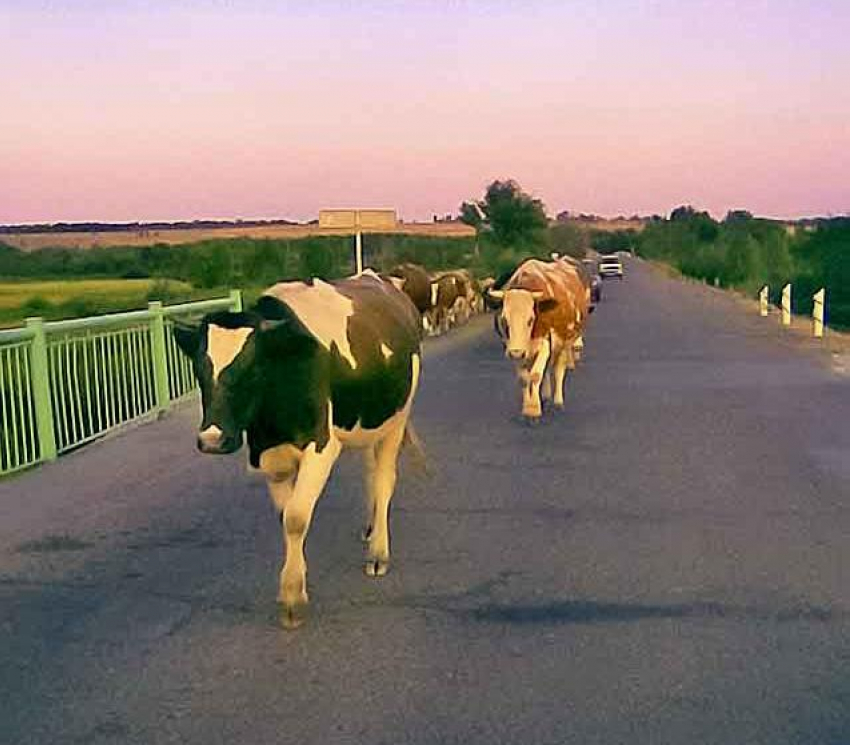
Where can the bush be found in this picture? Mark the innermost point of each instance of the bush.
(36, 306)
(747, 253)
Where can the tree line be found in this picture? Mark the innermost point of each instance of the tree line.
(746, 252)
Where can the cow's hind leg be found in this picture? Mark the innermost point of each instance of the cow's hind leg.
(381, 469)
(578, 348)
(546, 386)
(313, 472)
(369, 466)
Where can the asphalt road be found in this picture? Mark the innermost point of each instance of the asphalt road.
(666, 561)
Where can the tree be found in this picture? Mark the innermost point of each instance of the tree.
(514, 216)
(737, 216)
(471, 214)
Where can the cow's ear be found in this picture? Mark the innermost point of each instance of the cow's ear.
(188, 337)
(547, 304)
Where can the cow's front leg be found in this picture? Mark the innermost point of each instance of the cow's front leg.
(559, 371)
(313, 472)
(531, 404)
(381, 462)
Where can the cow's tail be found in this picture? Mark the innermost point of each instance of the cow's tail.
(415, 450)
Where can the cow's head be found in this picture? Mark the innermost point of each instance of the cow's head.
(224, 349)
(515, 320)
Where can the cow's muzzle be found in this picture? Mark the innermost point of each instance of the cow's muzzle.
(516, 354)
(213, 441)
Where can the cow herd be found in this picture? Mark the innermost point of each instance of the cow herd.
(316, 367)
(444, 299)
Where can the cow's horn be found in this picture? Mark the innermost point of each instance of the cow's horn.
(538, 294)
(496, 294)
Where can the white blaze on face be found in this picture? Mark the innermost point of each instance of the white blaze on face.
(323, 310)
(518, 315)
(386, 351)
(223, 346)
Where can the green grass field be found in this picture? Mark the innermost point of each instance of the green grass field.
(59, 299)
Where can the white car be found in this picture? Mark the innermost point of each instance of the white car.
(610, 266)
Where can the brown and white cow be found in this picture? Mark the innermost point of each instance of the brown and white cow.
(544, 308)
(587, 280)
(446, 288)
(415, 282)
(453, 298)
(312, 368)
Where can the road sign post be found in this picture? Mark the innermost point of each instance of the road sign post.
(356, 221)
(358, 247)
(763, 297)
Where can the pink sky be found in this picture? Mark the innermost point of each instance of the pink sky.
(120, 110)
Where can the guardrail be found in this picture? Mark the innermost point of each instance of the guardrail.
(65, 383)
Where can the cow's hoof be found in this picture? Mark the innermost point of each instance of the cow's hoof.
(531, 420)
(376, 567)
(292, 616)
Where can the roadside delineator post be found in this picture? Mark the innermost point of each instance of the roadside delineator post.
(818, 312)
(763, 296)
(159, 356)
(786, 305)
(41, 390)
(236, 301)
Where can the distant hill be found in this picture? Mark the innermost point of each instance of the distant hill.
(92, 234)
(130, 227)
(608, 225)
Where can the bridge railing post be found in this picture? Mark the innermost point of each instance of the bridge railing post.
(159, 356)
(818, 312)
(236, 301)
(41, 390)
(786, 305)
(764, 294)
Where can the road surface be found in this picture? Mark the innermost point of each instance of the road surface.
(666, 561)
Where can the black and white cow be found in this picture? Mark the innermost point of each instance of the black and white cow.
(312, 368)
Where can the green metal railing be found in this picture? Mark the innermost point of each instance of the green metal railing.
(65, 383)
